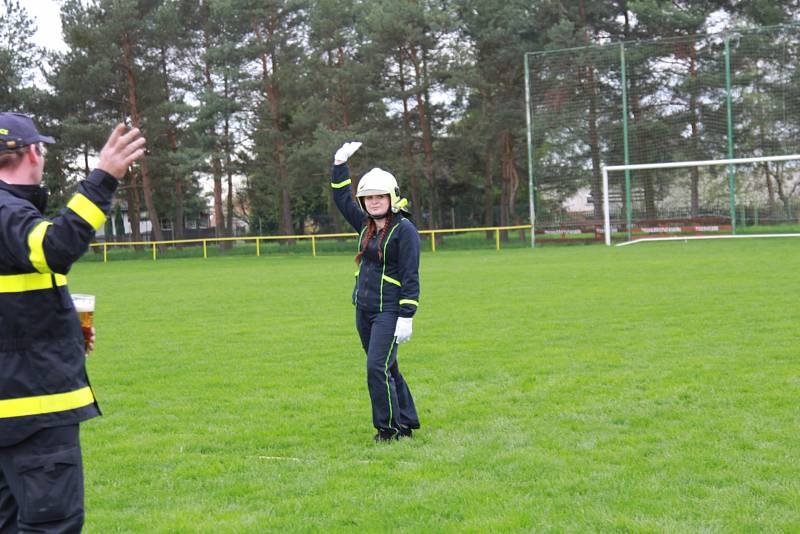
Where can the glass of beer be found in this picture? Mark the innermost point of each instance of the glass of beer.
(84, 305)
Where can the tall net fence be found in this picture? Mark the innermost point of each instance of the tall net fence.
(702, 97)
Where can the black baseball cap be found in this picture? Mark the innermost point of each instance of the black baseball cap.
(17, 130)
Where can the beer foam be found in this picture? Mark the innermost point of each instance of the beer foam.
(83, 303)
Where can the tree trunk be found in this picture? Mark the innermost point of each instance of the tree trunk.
(594, 142)
(136, 119)
(228, 170)
(219, 218)
(216, 164)
(784, 198)
(408, 143)
(179, 216)
(694, 171)
(638, 141)
(488, 191)
(770, 190)
(273, 97)
(134, 208)
(510, 180)
(333, 211)
(487, 111)
(343, 100)
(229, 215)
(86, 168)
(172, 137)
(765, 166)
(427, 141)
(336, 219)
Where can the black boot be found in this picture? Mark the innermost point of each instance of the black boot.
(385, 435)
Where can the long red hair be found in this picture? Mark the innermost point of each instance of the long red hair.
(372, 228)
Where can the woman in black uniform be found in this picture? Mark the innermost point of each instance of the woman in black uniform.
(386, 295)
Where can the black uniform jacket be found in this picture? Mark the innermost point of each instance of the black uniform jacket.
(43, 379)
(391, 282)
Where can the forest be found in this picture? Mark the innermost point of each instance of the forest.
(244, 102)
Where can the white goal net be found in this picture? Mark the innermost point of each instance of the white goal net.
(710, 198)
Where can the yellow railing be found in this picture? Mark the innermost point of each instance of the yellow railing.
(154, 245)
(495, 229)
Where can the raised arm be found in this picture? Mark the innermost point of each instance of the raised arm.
(342, 187)
(53, 245)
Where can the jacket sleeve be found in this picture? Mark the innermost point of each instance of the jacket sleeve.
(408, 254)
(343, 197)
(52, 246)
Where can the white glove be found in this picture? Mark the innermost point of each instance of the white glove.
(403, 329)
(346, 150)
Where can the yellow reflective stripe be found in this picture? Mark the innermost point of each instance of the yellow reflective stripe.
(355, 273)
(391, 280)
(341, 184)
(386, 374)
(17, 283)
(409, 301)
(57, 402)
(360, 237)
(87, 210)
(36, 246)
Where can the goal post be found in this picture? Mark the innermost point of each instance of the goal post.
(689, 165)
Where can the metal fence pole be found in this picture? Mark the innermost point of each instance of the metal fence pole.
(731, 168)
(628, 204)
(531, 198)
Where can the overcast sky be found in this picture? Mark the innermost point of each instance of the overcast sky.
(48, 19)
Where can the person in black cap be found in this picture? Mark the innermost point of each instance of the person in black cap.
(44, 389)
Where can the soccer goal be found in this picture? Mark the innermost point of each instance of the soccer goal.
(743, 197)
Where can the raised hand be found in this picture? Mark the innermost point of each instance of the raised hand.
(345, 151)
(121, 149)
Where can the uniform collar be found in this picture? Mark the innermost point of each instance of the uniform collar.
(35, 194)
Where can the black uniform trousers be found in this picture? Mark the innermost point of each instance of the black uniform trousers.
(392, 403)
(41, 483)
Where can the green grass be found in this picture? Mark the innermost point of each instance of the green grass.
(650, 388)
(774, 229)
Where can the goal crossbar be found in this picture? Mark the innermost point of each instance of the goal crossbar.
(672, 165)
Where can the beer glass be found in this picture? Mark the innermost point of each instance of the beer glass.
(84, 305)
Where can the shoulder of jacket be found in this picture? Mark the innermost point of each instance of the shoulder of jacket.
(405, 231)
(407, 226)
(12, 202)
(397, 226)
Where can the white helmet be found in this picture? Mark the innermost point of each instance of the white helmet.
(379, 182)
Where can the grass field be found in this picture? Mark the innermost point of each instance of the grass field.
(651, 388)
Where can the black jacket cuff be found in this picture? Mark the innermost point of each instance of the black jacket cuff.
(102, 179)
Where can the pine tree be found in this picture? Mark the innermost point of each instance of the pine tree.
(19, 56)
